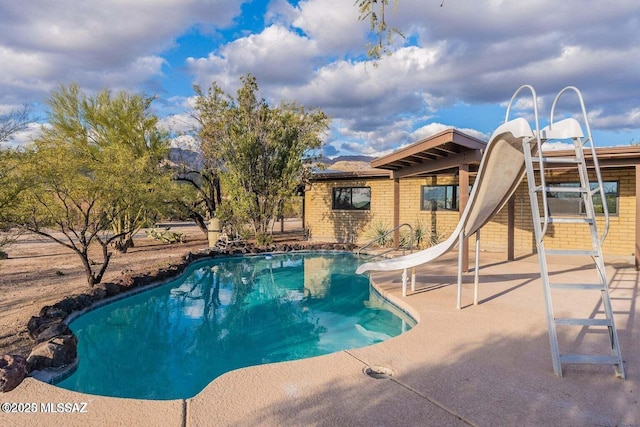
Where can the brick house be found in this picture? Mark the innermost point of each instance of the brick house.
(420, 185)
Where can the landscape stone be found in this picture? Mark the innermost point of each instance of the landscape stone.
(83, 301)
(53, 331)
(37, 325)
(112, 289)
(68, 304)
(13, 369)
(53, 353)
(98, 293)
(52, 311)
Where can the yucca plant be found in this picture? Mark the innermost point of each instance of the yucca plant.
(378, 231)
(435, 237)
(405, 239)
(419, 234)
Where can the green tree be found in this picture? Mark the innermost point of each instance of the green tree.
(10, 186)
(94, 173)
(135, 149)
(262, 148)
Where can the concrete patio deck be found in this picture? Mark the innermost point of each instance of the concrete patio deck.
(485, 365)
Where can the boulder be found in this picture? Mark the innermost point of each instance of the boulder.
(83, 301)
(68, 304)
(53, 330)
(54, 353)
(111, 289)
(13, 369)
(37, 324)
(51, 312)
(127, 281)
(98, 293)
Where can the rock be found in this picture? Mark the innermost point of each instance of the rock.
(112, 289)
(13, 369)
(68, 304)
(127, 281)
(53, 353)
(51, 311)
(98, 293)
(83, 301)
(37, 325)
(53, 331)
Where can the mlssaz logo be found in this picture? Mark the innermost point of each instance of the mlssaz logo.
(68, 407)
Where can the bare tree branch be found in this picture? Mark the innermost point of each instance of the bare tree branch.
(13, 122)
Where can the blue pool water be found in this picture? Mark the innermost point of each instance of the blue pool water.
(224, 314)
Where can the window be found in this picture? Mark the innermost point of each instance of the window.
(572, 203)
(436, 197)
(352, 198)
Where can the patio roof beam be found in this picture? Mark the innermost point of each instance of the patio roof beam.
(444, 149)
(468, 157)
(452, 138)
(425, 156)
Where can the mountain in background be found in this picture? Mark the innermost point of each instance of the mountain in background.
(186, 157)
(328, 161)
(347, 163)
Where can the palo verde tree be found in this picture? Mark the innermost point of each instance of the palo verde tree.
(10, 188)
(94, 173)
(10, 185)
(262, 149)
(136, 153)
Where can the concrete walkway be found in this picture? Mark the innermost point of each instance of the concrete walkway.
(485, 365)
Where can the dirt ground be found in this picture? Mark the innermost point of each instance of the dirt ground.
(40, 272)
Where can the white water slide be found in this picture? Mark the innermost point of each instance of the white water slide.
(501, 170)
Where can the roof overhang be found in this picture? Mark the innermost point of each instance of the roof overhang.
(608, 157)
(358, 174)
(439, 153)
(446, 151)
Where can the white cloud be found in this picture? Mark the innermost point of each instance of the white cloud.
(98, 44)
(463, 53)
(333, 24)
(178, 124)
(556, 145)
(435, 128)
(24, 137)
(274, 56)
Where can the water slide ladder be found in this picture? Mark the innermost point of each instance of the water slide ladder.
(539, 192)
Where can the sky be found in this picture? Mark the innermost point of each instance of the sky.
(457, 66)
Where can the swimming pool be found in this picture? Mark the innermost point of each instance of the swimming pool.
(227, 313)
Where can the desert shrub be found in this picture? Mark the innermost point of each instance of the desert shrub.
(377, 231)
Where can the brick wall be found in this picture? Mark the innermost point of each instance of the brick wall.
(436, 225)
(357, 226)
(326, 224)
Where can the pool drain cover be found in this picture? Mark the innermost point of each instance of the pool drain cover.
(378, 372)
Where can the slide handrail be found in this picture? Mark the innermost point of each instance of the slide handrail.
(377, 239)
(543, 184)
(592, 148)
